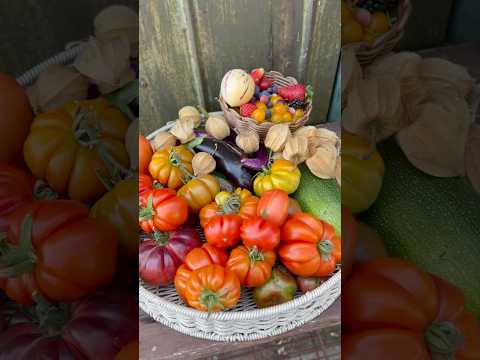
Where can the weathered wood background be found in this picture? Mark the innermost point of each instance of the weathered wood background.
(186, 46)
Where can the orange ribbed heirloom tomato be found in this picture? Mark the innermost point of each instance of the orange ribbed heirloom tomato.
(195, 259)
(212, 288)
(200, 191)
(310, 246)
(171, 166)
(253, 267)
(56, 249)
(393, 310)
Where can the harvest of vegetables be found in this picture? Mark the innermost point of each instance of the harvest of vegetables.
(409, 176)
(68, 202)
(241, 193)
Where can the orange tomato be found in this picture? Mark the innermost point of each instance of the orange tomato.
(200, 191)
(253, 267)
(171, 166)
(258, 116)
(15, 118)
(212, 288)
(207, 213)
(145, 153)
(196, 259)
(273, 206)
(310, 246)
(249, 208)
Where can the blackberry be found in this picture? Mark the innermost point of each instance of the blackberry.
(297, 104)
(372, 5)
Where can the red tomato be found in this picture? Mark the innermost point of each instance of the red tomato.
(223, 231)
(145, 153)
(258, 232)
(16, 187)
(162, 210)
(145, 183)
(65, 254)
(16, 117)
(273, 206)
(96, 327)
(162, 254)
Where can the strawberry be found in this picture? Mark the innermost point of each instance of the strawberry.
(265, 84)
(292, 92)
(257, 75)
(247, 109)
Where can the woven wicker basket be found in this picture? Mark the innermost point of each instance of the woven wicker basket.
(367, 53)
(238, 122)
(244, 322)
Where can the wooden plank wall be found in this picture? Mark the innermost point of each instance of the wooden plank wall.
(187, 45)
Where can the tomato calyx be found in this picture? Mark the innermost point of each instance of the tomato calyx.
(255, 255)
(175, 160)
(231, 205)
(42, 191)
(210, 299)
(148, 212)
(49, 317)
(16, 260)
(443, 340)
(325, 248)
(160, 238)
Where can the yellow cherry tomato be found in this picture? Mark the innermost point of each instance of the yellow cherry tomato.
(352, 32)
(287, 117)
(258, 116)
(276, 118)
(379, 24)
(260, 105)
(279, 108)
(298, 114)
(282, 174)
(275, 98)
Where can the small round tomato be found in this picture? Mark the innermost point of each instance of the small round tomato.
(223, 231)
(145, 153)
(162, 209)
(310, 246)
(258, 232)
(253, 267)
(196, 259)
(212, 288)
(273, 206)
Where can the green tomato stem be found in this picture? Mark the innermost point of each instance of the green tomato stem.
(443, 340)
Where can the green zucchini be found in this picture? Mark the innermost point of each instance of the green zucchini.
(319, 197)
(432, 222)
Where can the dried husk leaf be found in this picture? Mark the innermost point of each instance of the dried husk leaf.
(163, 140)
(190, 111)
(338, 170)
(372, 112)
(277, 156)
(323, 163)
(441, 70)
(296, 150)
(118, 20)
(55, 86)
(183, 130)
(277, 137)
(472, 156)
(106, 63)
(248, 141)
(401, 65)
(203, 163)
(217, 126)
(326, 136)
(435, 143)
(351, 72)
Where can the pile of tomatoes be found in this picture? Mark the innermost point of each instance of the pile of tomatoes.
(59, 255)
(252, 241)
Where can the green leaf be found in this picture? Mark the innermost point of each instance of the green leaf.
(309, 93)
(195, 142)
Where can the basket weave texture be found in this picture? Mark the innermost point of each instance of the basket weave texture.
(238, 122)
(367, 53)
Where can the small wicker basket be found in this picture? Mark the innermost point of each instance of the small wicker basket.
(367, 53)
(238, 122)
